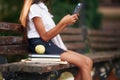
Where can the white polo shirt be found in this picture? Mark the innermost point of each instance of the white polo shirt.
(41, 10)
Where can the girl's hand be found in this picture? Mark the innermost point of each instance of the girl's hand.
(69, 19)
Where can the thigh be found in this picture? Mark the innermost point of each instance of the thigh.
(53, 49)
(74, 58)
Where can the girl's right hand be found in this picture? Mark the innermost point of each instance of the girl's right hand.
(69, 19)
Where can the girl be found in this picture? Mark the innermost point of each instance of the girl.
(41, 29)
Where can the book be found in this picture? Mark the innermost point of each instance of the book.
(43, 56)
(44, 60)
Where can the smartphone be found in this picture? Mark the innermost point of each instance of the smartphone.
(77, 8)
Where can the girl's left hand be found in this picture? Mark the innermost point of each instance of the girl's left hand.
(69, 19)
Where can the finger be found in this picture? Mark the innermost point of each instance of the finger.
(75, 17)
(78, 14)
(74, 21)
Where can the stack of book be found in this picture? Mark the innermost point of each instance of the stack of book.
(37, 58)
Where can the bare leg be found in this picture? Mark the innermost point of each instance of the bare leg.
(78, 76)
(85, 69)
(82, 62)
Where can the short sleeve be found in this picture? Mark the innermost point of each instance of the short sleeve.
(35, 11)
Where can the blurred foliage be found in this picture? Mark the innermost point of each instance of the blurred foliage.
(10, 11)
(64, 7)
(93, 17)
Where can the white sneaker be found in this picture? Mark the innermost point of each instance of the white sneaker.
(66, 76)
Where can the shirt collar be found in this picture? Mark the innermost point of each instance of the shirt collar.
(42, 5)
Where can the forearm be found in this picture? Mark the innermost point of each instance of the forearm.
(54, 31)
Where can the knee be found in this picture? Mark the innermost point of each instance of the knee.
(88, 63)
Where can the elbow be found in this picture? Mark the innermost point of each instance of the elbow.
(44, 38)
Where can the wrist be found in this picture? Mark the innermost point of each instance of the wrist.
(63, 24)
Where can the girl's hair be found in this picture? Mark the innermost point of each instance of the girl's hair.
(25, 10)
